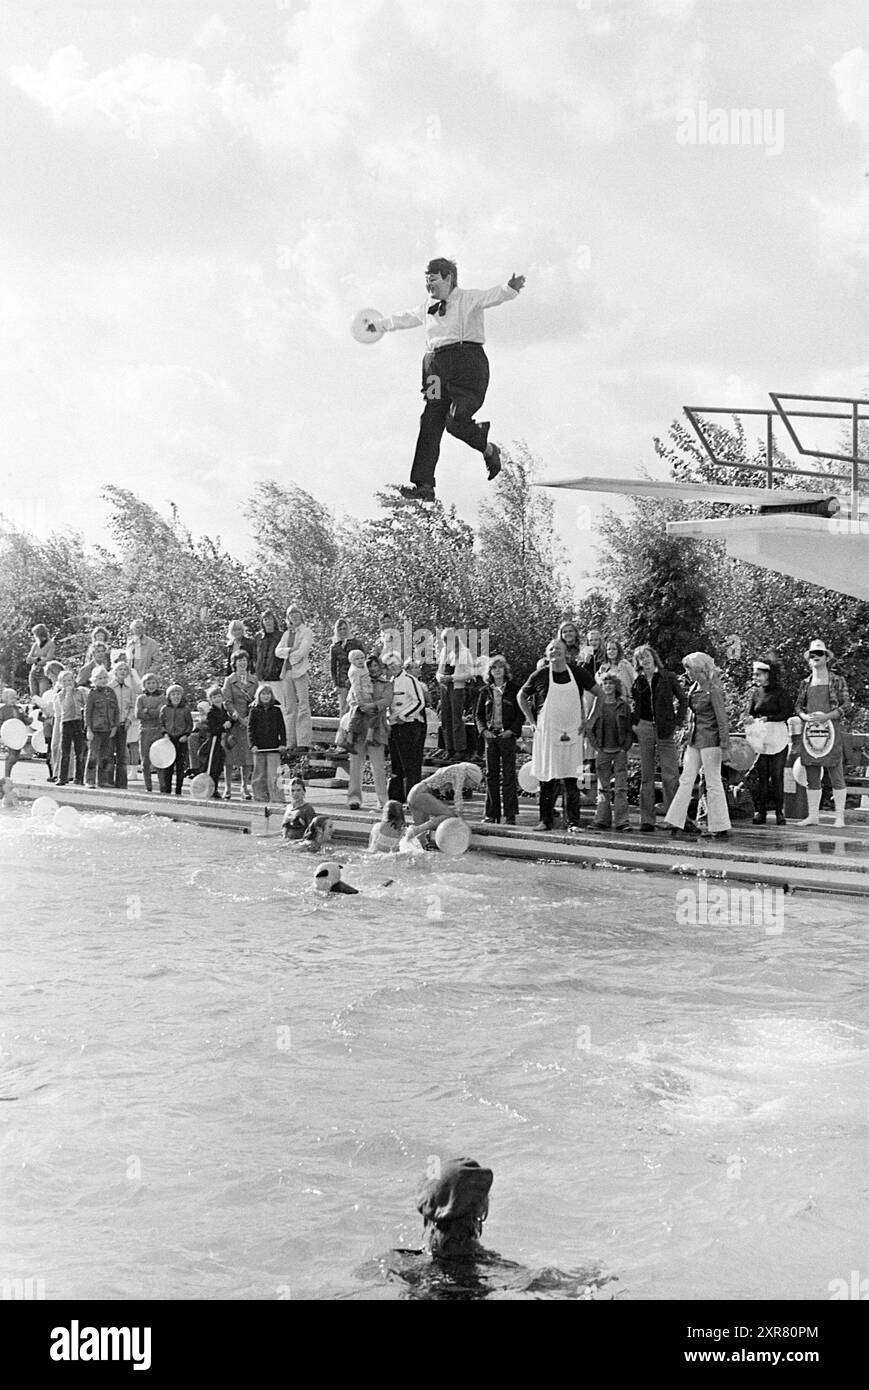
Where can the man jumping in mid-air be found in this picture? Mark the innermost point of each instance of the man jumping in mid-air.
(455, 369)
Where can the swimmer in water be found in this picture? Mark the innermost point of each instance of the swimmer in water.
(8, 794)
(327, 879)
(453, 1265)
(392, 832)
(424, 801)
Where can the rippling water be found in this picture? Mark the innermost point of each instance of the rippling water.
(218, 1084)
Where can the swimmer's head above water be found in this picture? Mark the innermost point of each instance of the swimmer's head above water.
(454, 1204)
(327, 879)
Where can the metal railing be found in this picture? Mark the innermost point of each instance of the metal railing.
(857, 413)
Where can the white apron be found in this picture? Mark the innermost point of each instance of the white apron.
(553, 755)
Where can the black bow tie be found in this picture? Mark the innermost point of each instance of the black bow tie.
(438, 308)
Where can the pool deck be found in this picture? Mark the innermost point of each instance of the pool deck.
(819, 859)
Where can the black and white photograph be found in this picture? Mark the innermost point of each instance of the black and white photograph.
(434, 687)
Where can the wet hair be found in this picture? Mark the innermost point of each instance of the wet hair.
(393, 814)
(440, 265)
(316, 831)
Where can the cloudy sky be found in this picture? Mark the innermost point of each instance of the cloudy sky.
(196, 198)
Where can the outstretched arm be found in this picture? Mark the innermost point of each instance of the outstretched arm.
(412, 319)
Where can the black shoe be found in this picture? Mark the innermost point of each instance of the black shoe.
(492, 461)
(684, 834)
(624, 829)
(716, 834)
(511, 820)
(491, 820)
(692, 828)
(758, 819)
(417, 492)
(780, 818)
(648, 829)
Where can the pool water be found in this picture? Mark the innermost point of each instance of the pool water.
(217, 1083)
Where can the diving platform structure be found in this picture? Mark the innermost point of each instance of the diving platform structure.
(819, 534)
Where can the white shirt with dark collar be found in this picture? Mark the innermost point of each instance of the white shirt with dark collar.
(462, 320)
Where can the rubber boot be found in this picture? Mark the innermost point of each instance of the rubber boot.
(814, 800)
(839, 794)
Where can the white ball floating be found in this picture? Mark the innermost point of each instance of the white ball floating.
(44, 808)
(67, 819)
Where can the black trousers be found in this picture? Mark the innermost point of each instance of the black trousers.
(770, 781)
(406, 742)
(72, 738)
(572, 803)
(454, 383)
(178, 769)
(501, 769)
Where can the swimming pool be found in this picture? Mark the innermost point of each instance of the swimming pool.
(218, 1084)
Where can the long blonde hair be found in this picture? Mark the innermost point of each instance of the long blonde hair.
(704, 666)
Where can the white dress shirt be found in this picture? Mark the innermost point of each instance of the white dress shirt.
(462, 321)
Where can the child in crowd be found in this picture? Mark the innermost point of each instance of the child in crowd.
(216, 725)
(361, 693)
(40, 652)
(268, 740)
(69, 707)
(127, 687)
(299, 814)
(11, 709)
(50, 727)
(102, 717)
(8, 795)
(610, 733)
(176, 722)
(239, 692)
(148, 707)
(199, 736)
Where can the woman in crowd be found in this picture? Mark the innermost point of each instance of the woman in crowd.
(551, 700)
(708, 746)
(295, 647)
(659, 706)
(42, 650)
(237, 641)
(268, 664)
(611, 735)
(98, 654)
(339, 652)
(616, 662)
(268, 740)
(568, 633)
(239, 693)
(500, 721)
(371, 743)
(823, 699)
(768, 704)
(455, 672)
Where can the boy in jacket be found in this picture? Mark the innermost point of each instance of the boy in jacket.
(101, 720)
(610, 733)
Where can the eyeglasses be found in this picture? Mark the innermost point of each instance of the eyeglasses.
(817, 654)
